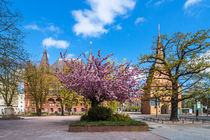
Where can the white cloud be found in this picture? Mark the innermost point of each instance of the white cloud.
(103, 12)
(159, 2)
(118, 27)
(189, 3)
(32, 27)
(70, 55)
(52, 28)
(50, 42)
(156, 2)
(140, 19)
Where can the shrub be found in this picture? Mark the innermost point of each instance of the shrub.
(84, 117)
(99, 113)
(33, 113)
(120, 117)
(45, 113)
(104, 114)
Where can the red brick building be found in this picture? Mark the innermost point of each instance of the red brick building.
(53, 102)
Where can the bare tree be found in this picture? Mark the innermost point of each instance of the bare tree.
(12, 54)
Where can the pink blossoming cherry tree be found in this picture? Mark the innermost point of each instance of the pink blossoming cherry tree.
(101, 80)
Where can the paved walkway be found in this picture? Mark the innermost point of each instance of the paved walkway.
(178, 132)
(55, 128)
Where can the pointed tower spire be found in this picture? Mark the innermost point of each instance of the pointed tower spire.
(44, 62)
(90, 54)
(159, 45)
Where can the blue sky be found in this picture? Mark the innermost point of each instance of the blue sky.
(122, 27)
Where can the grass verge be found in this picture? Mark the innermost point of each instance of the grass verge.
(109, 123)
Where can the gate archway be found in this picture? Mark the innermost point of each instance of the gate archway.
(164, 109)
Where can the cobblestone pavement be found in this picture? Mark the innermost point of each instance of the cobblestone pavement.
(55, 128)
(178, 132)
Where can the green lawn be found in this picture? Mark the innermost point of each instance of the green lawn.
(109, 123)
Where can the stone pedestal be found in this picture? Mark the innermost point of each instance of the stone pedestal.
(9, 113)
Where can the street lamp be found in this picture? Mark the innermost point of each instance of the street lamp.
(207, 106)
(156, 105)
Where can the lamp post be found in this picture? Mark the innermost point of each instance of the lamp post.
(196, 111)
(207, 106)
(156, 105)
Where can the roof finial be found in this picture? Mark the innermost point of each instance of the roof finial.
(159, 30)
(90, 53)
(159, 34)
(91, 44)
(45, 47)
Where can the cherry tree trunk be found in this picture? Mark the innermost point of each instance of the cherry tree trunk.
(94, 103)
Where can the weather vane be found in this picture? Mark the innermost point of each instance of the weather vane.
(158, 29)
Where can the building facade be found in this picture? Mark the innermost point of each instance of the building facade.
(18, 100)
(53, 102)
(18, 104)
(157, 92)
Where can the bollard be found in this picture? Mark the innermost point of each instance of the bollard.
(182, 121)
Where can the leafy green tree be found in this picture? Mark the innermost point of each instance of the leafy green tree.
(201, 90)
(180, 60)
(69, 99)
(37, 83)
(113, 105)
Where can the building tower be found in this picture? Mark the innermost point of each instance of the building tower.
(44, 62)
(158, 87)
(90, 55)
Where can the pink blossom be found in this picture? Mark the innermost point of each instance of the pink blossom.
(100, 80)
